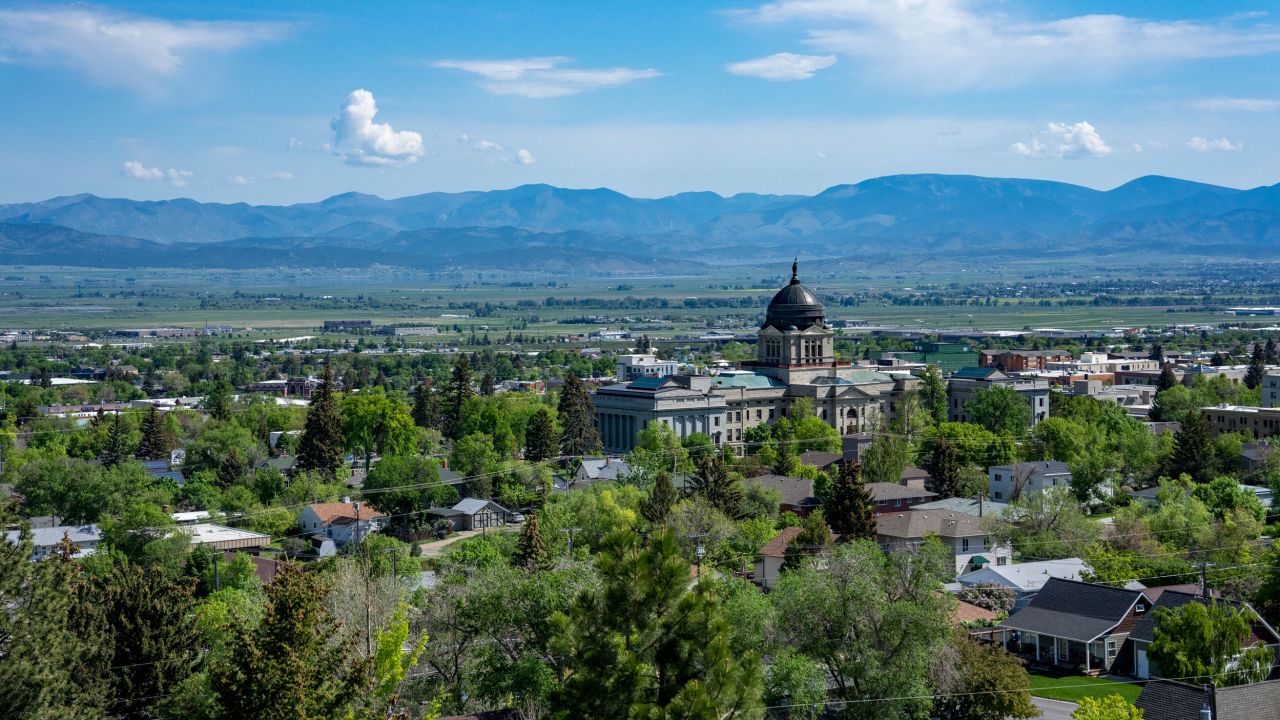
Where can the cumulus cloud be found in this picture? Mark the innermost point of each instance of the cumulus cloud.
(542, 77)
(120, 49)
(359, 140)
(782, 66)
(1060, 140)
(946, 45)
(1204, 145)
(251, 179)
(1224, 104)
(136, 170)
(524, 157)
(497, 152)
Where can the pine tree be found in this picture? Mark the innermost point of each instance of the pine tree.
(531, 549)
(943, 466)
(322, 439)
(713, 482)
(456, 396)
(578, 433)
(850, 509)
(426, 412)
(487, 384)
(1157, 352)
(1257, 367)
(1193, 449)
(1167, 378)
(218, 401)
(541, 442)
(116, 448)
(155, 443)
(1270, 353)
(814, 538)
(662, 498)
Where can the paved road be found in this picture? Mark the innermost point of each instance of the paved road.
(1054, 709)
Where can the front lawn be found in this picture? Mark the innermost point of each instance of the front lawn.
(1074, 687)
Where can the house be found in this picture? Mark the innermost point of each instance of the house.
(821, 460)
(1172, 700)
(914, 477)
(962, 534)
(892, 497)
(1260, 633)
(1077, 626)
(797, 493)
(606, 468)
(343, 522)
(472, 514)
(963, 613)
(979, 506)
(46, 540)
(771, 555)
(221, 537)
(1025, 579)
(1010, 482)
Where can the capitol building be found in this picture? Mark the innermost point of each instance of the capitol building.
(795, 358)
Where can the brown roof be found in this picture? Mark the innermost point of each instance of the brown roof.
(820, 459)
(894, 491)
(918, 523)
(968, 612)
(329, 512)
(1153, 593)
(911, 472)
(777, 547)
(795, 491)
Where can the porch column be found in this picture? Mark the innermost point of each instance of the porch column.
(1088, 651)
(1037, 647)
(1055, 651)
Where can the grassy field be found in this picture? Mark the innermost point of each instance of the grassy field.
(1072, 688)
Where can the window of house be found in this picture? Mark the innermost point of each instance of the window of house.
(964, 544)
(1001, 560)
(997, 495)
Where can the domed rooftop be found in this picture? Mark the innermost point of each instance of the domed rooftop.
(794, 306)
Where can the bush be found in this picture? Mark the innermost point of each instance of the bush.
(996, 598)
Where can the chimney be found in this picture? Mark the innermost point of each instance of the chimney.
(979, 504)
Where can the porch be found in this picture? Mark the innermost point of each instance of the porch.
(1091, 657)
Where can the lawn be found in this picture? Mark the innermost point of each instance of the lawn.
(1074, 687)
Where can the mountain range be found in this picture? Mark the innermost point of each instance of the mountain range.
(542, 227)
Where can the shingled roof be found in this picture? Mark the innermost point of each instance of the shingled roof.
(1074, 610)
(795, 491)
(331, 511)
(1174, 599)
(1170, 700)
(918, 523)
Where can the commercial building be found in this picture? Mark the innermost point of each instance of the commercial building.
(965, 385)
(1022, 360)
(948, 357)
(630, 367)
(1262, 422)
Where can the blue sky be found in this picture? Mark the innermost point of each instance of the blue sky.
(295, 101)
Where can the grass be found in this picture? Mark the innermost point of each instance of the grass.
(1072, 688)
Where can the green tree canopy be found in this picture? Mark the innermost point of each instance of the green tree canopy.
(1205, 643)
(1000, 409)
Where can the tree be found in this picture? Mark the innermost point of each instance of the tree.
(1157, 352)
(975, 445)
(297, 663)
(404, 486)
(1193, 449)
(849, 508)
(662, 497)
(874, 620)
(1257, 367)
(1046, 525)
(1167, 378)
(977, 681)
(322, 441)
(1111, 707)
(473, 455)
(813, 539)
(578, 433)
(372, 423)
(1000, 409)
(1269, 352)
(541, 441)
(531, 549)
(426, 408)
(227, 450)
(933, 394)
(646, 645)
(997, 598)
(1205, 643)
(116, 449)
(487, 384)
(456, 396)
(713, 481)
(217, 402)
(887, 457)
(943, 467)
(155, 440)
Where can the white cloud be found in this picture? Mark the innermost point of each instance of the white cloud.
(115, 48)
(542, 77)
(251, 179)
(1060, 140)
(360, 141)
(497, 152)
(524, 157)
(282, 175)
(782, 66)
(239, 180)
(1204, 145)
(1222, 104)
(136, 170)
(955, 44)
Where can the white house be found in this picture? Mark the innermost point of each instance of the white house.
(1009, 482)
(962, 534)
(343, 522)
(45, 541)
(1025, 579)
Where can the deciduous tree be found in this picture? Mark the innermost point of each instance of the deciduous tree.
(1000, 409)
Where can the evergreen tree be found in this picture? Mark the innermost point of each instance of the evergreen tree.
(1157, 352)
(943, 466)
(849, 507)
(487, 384)
(813, 539)
(578, 433)
(662, 498)
(1167, 378)
(426, 410)
(297, 663)
(116, 448)
(646, 645)
(217, 402)
(531, 549)
(456, 396)
(713, 481)
(1270, 353)
(155, 442)
(322, 439)
(1257, 367)
(541, 442)
(1217, 360)
(1193, 449)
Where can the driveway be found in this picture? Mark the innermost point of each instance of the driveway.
(1054, 709)
(435, 548)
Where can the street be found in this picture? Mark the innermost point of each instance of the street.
(1054, 709)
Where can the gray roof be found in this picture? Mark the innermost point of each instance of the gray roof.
(51, 536)
(893, 491)
(1075, 610)
(604, 468)
(969, 506)
(471, 506)
(795, 491)
(1037, 468)
(1170, 700)
(912, 524)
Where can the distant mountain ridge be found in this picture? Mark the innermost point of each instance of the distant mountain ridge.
(928, 213)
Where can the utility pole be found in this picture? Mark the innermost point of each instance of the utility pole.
(570, 531)
(217, 576)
